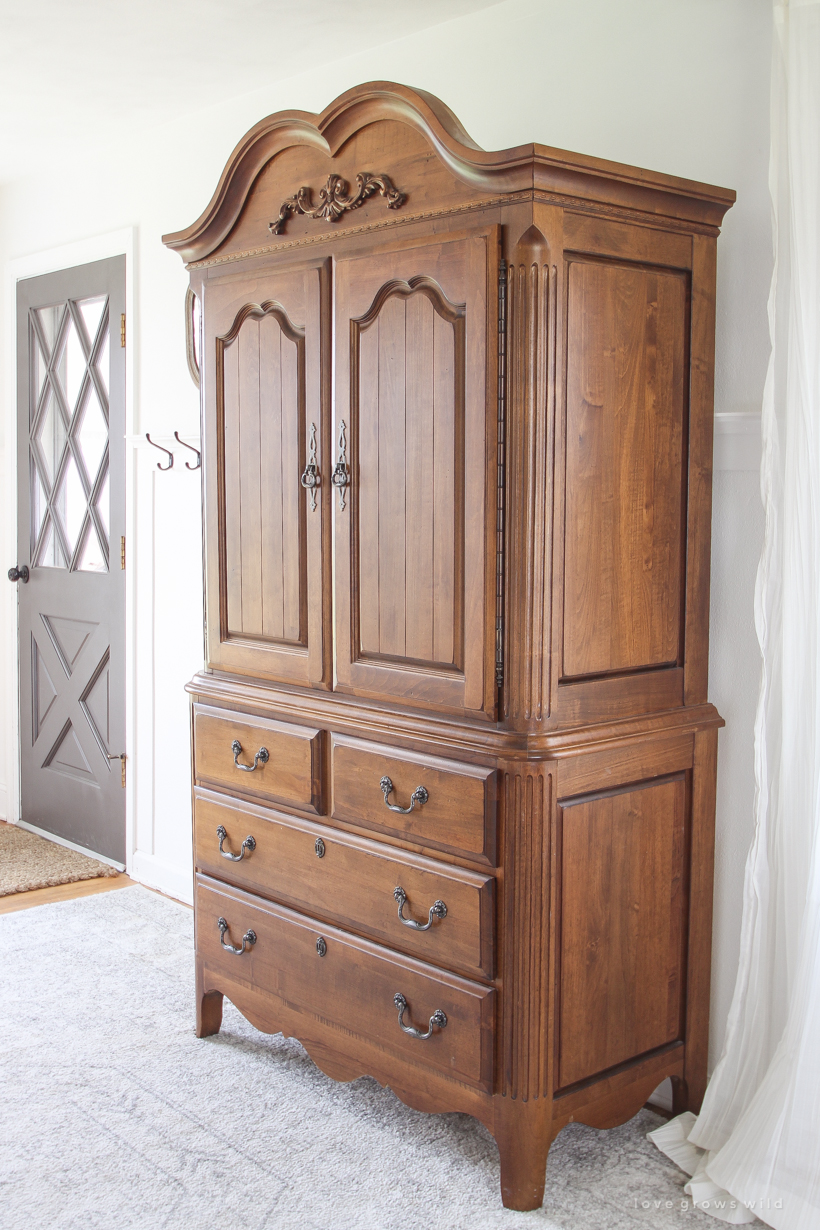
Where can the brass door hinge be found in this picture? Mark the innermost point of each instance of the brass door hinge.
(122, 328)
(122, 552)
(500, 480)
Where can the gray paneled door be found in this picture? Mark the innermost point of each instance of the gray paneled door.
(71, 526)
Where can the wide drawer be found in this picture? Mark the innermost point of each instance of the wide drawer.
(443, 804)
(351, 982)
(290, 774)
(352, 881)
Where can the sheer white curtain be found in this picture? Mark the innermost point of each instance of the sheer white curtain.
(758, 1133)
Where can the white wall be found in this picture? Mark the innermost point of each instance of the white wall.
(678, 86)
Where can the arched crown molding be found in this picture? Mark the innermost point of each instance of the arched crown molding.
(510, 170)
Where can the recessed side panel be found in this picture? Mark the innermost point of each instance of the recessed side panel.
(626, 422)
(622, 925)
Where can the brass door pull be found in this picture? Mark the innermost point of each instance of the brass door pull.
(437, 910)
(261, 757)
(340, 478)
(419, 796)
(437, 1021)
(311, 478)
(248, 845)
(248, 939)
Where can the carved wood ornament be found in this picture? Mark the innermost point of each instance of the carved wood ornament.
(334, 199)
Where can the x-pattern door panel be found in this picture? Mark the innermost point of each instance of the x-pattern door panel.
(71, 506)
(69, 348)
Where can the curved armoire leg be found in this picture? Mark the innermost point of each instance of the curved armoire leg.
(208, 1014)
(523, 1133)
(680, 1095)
(208, 1009)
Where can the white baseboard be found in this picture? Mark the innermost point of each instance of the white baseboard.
(70, 845)
(662, 1097)
(4, 808)
(156, 873)
(737, 441)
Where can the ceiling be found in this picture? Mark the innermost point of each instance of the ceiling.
(70, 68)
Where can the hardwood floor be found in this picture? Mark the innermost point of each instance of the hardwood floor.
(63, 892)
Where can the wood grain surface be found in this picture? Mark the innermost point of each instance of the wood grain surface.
(459, 814)
(351, 882)
(625, 419)
(352, 983)
(510, 361)
(623, 913)
(292, 773)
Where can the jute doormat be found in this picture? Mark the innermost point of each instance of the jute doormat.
(28, 861)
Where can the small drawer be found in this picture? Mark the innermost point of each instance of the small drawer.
(274, 760)
(352, 881)
(444, 804)
(325, 972)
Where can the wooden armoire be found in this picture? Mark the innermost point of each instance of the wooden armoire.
(454, 764)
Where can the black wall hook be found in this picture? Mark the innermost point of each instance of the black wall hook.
(167, 452)
(188, 465)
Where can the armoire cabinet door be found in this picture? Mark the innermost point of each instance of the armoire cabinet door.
(264, 396)
(415, 366)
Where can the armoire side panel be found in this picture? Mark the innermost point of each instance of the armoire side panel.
(625, 506)
(622, 858)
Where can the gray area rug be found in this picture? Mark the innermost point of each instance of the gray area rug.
(28, 861)
(113, 1115)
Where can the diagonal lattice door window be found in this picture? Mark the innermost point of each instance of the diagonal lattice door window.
(68, 443)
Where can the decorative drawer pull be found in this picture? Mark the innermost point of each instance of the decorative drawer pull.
(248, 939)
(437, 1021)
(249, 844)
(319, 847)
(311, 479)
(419, 796)
(261, 757)
(321, 946)
(437, 910)
(340, 478)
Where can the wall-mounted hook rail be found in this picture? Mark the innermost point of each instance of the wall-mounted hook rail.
(188, 465)
(168, 453)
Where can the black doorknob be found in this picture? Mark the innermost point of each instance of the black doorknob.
(18, 574)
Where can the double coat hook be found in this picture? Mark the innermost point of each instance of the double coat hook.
(188, 465)
(170, 455)
(167, 452)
